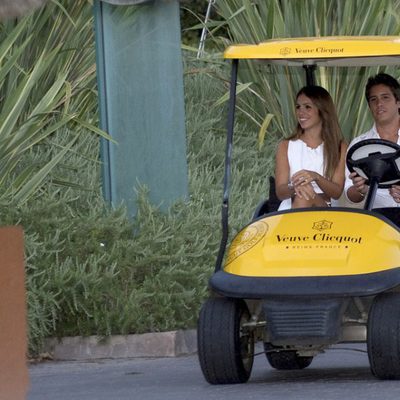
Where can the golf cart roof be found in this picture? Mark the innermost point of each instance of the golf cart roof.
(322, 51)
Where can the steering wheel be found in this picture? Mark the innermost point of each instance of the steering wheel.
(377, 160)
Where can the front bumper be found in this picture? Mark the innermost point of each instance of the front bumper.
(236, 286)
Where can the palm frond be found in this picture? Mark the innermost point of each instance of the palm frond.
(47, 83)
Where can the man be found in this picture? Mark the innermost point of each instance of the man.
(383, 96)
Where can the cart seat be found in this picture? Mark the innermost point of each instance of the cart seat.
(269, 205)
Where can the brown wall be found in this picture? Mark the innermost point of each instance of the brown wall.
(13, 338)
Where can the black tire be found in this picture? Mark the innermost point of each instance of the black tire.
(225, 350)
(285, 359)
(383, 336)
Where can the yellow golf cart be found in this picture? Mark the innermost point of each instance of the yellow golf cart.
(302, 280)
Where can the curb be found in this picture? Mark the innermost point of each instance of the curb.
(160, 344)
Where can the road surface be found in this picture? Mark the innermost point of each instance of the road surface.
(340, 373)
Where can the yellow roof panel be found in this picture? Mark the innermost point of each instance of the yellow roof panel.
(331, 50)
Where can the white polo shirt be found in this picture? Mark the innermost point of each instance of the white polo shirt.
(383, 198)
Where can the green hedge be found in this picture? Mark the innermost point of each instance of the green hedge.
(92, 271)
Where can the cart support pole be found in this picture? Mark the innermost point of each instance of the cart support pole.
(310, 77)
(373, 187)
(228, 157)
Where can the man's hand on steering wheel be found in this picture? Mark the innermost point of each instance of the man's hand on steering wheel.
(394, 191)
(359, 183)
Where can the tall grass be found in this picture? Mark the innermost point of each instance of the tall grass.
(93, 271)
(90, 269)
(48, 154)
(47, 87)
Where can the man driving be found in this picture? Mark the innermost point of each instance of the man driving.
(383, 96)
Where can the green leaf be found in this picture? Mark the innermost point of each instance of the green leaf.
(239, 89)
(96, 130)
(14, 106)
(23, 190)
(263, 130)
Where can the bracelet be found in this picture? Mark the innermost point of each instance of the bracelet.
(291, 188)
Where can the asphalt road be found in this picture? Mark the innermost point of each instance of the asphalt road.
(340, 373)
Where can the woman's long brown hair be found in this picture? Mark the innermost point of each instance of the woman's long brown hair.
(332, 136)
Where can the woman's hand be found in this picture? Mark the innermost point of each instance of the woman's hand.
(304, 177)
(305, 191)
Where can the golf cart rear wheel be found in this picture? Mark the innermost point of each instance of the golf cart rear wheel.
(285, 359)
(225, 347)
(383, 336)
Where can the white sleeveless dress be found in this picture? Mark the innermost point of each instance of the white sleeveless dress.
(300, 157)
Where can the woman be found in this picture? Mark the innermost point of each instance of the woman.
(310, 165)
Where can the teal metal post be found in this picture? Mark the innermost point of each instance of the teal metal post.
(140, 81)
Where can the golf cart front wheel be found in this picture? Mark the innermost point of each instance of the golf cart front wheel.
(225, 345)
(383, 336)
(285, 359)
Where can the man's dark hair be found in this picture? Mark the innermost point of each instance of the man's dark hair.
(383, 79)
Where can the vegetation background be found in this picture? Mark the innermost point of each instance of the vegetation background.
(91, 270)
